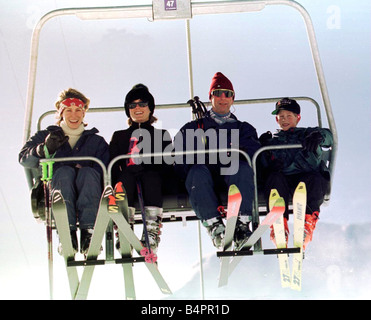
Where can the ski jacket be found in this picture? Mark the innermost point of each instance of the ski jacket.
(226, 134)
(297, 161)
(149, 140)
(89, 144)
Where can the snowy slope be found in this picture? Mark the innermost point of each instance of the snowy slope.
(337, 266)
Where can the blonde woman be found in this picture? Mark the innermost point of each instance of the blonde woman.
(79, 182)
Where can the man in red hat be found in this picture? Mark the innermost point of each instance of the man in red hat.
(204, 177)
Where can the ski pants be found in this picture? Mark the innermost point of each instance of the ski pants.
(151, 182)
(201, 181)
(316, 185)
(82, 191)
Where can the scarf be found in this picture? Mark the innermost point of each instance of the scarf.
(73, 134)
(221, 118)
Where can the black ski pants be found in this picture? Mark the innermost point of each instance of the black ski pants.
(316, 185)
(151, 182)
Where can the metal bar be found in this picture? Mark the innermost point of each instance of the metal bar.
(97, 13)
(202, 281)
(255, 213)
(172, 155)
(84, 263)
(319, 72)
(253, 252)
(70, 159)
(186, 105)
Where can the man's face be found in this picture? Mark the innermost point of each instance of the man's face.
(221, 104)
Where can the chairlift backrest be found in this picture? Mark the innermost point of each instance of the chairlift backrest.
(152, 12)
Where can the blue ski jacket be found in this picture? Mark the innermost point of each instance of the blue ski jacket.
(219, 137)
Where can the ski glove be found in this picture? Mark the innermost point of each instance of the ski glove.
(53, 142)
(312, 141)
(265, 137)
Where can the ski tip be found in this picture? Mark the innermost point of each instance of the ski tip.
(107, 191)
(233, 189)
(57, 193)
(301, 186)
(111, 200)
(279, 202)
(119, 187)
(274, 194)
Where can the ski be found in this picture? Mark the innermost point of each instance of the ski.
(63, 229)
(270, 218)
(299, 205)
(128, 233)
(279, 233)
(233, 208)
(125, 247)
(94, 250)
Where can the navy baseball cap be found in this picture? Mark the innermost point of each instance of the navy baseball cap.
(287, 104)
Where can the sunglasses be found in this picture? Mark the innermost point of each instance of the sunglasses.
(140, 104)
(219, 92)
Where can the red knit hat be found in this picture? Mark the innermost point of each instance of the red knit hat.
(220, 81)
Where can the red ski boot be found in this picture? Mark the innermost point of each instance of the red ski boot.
(310, 225)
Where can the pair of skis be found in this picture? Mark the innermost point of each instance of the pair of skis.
(113, 206)
(229, 260)
(293, 280)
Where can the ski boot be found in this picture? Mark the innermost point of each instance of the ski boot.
(216, 230)
(131, 220)
(309, 226)
(74, 243)
(153, 224)
(242, 232)
(85, 238)
(287, 232)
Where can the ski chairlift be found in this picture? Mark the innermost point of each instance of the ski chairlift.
(176, 207)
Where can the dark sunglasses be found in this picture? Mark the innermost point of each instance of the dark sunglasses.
(140, 104)
(219, 92)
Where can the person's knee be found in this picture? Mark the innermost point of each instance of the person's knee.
(63, 177)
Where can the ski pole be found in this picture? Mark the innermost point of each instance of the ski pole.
(47, 175)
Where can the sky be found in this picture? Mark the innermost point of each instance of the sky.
(265, 54)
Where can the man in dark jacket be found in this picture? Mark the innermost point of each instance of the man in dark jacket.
(219, 129)
(79, 182)
(285, 168)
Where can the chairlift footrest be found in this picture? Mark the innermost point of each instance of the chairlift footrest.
(253, 252)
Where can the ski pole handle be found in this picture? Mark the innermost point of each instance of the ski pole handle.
(47, 170)
(50, 169)
(44, 167)
(47, 167)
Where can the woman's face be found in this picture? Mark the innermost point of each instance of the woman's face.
(73, 116)
(139, 111)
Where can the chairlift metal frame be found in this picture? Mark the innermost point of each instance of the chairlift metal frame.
(191, 9)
